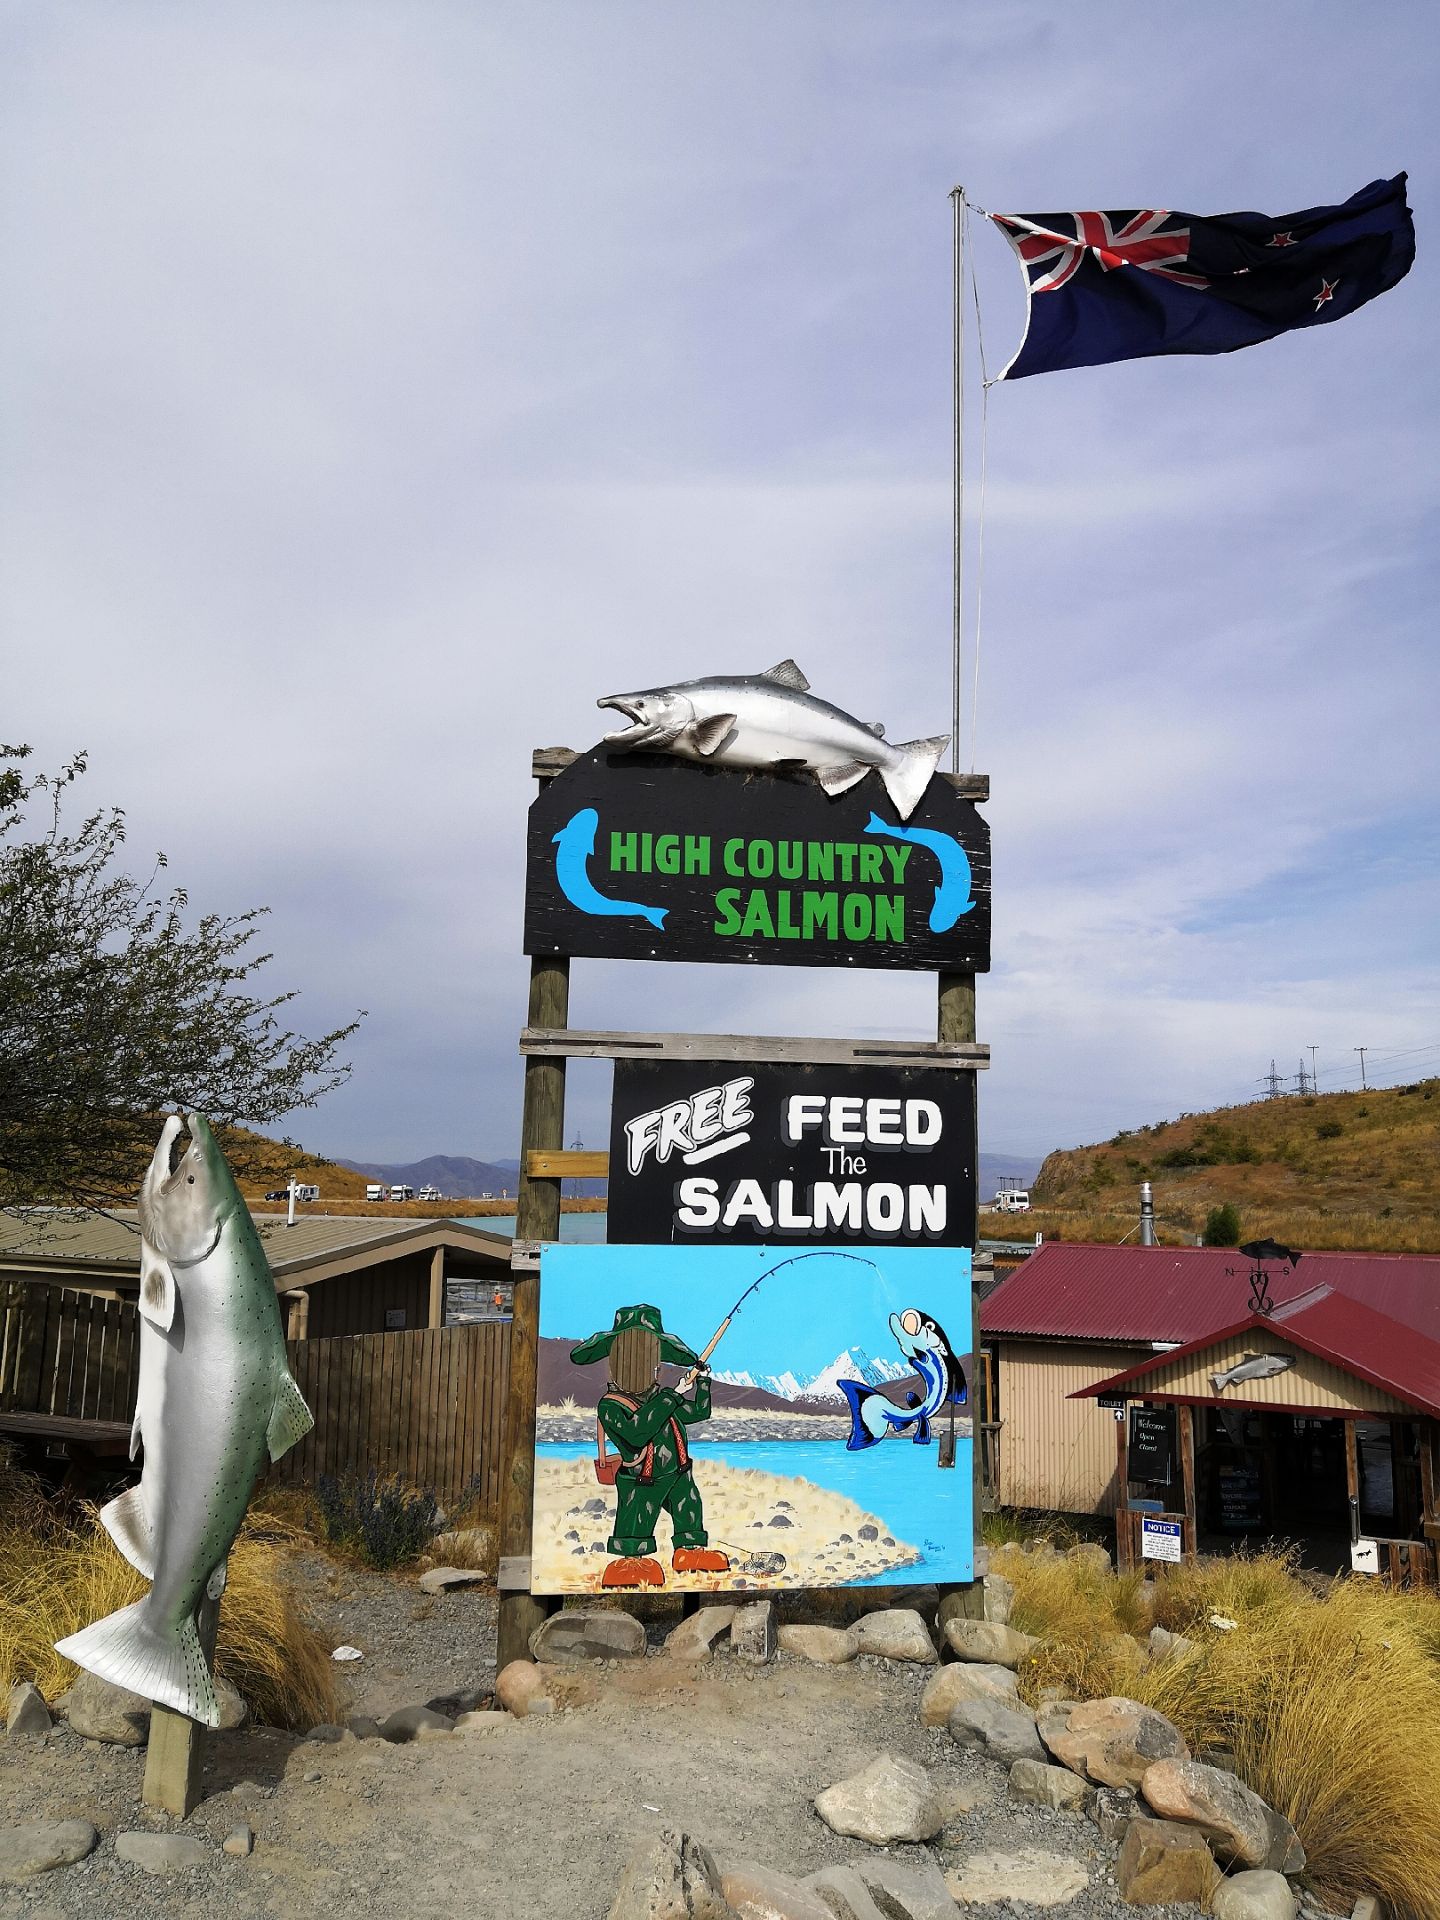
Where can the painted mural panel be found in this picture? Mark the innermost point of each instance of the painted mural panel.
(723, 1418)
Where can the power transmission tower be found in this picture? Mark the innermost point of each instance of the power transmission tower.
(1302, 1081)
(1274, 1083)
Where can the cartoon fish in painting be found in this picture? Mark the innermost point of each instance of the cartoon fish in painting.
(922, 1341)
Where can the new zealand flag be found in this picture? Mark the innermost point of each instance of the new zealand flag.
(1122, 286)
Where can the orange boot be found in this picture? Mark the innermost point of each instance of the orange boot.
(700, 1560)
(633, 1573)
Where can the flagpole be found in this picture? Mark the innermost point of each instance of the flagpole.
(957, 202)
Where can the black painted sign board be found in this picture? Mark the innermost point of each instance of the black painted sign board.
(1152, 1444)
(765, 1153)
(644, 857)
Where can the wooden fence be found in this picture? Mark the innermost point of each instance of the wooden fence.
(67, 1354)
(427, 1405)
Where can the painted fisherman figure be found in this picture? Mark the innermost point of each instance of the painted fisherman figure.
(646, 1424)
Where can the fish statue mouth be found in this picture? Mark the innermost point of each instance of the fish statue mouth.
(639, 730)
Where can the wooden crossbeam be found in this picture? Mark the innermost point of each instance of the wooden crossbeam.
(573, 1043)
(568, 1163)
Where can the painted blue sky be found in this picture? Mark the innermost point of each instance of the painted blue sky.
(799, 1318)
(384, 383)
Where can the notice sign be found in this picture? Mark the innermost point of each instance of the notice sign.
(773, 1153)
(1152, 1444)
(643, 857)
(1160, 1539)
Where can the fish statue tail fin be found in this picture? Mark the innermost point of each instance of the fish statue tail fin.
(860, 1435)
(157, 1662)
(908, 776)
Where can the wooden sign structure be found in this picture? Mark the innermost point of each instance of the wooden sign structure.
(921, 924)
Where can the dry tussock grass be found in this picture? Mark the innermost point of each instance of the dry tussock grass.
(59, 1570)
(1329, 1701)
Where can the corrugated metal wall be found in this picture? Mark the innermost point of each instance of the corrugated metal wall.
(1056, 1453)
(1311, 1382)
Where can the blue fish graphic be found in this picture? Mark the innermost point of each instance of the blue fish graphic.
(952, 895)
(574, 844)
(923, 1342)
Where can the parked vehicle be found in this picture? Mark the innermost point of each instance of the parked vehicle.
(1012, 1200)
(278, 1193)
(376, 1190)
(430, 1193)
(402, 1193)
(306, 1193)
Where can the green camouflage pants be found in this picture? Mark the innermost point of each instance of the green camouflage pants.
(637, 1507)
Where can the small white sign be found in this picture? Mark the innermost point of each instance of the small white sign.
(1160, 1539)
(1365, 1556)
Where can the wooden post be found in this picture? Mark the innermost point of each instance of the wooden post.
(1190, 1543)
(437, 1289)
(537, 1217)
(1124, 1551)
(955, 1024)
(1429, 1513)
(1352, 1478)
(175, 1750)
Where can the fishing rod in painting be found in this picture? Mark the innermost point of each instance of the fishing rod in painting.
(688, 1380)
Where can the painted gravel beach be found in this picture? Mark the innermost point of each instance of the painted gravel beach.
(820, 1455)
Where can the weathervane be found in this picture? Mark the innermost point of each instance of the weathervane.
(1263, 1253)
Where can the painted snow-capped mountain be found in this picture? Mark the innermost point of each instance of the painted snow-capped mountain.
(852, 1363)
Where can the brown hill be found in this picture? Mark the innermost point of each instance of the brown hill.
(1316, 1170)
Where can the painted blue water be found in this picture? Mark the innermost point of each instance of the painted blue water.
(900, 1483)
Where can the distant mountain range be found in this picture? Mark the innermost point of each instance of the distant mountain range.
(460, 1178)
(852, 1363)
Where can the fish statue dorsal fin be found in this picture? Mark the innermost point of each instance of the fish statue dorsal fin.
(157, 1288)
(787, 674)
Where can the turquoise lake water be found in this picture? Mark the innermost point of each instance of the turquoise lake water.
(918, 1502)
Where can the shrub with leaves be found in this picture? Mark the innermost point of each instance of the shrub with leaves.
(383, 1521)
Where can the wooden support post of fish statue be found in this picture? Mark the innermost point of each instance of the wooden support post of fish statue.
(175, 1751)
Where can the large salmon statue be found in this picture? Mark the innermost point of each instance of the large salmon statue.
(215, 1398)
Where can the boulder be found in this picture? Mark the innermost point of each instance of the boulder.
(1029, 1876)
(26, 1715)
(671, 1877)
(1236, 1822)
(1162, 1864)
(1255, 1895)
(233, 1710)
(999, 1598)
(844, 1893)
(239, 1843)
(578, 1634)
(760, 1893)
(946, 1689)
(912, 1889)
(695, 1637)
(1047, 1786)
(363, 1725)
(1052, 1716)
(100, 1711)
(41, 1845)
(442, 1579)
(162, 1852)
(1111, 1809)
(826, 1646)
(1091, 1555)
(1169, 1646)
(408, 1723)
(891, 1799)
(462, 1700)
(752, 1632)
(520, 1689)
(1113, 1742)
(1000, 1732)
(895, 1633)
(986, 1642)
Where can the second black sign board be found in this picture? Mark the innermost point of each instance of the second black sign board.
(643, 857)
(766, 1153)
(1152, 1444)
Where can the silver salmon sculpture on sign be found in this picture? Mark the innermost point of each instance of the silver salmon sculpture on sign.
(773, 721)
(1255, 1366)
(215, 1398)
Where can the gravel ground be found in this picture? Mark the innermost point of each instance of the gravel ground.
(532, 1817)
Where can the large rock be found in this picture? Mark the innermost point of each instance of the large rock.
(442, 1579)
(946, 1689)
(26, 1715)
(826, 1646)
(1091, 1555)
(233, 1710)
(1162, 1864)
(1255, 1895)
(999, 1598)
(752, 1632)
(895, 1633)
(578, 1634)
(1029, 1877)
(101, 1711)
(1169, 1646)
(1046, 1786)
(1237, 1823)
(760, 1893)
(671, 1877)
(1112, 1809)
(907, 1889)
(42, 1844)
(408, 1723)
(984, 1641)
(162, 1852)
(891, 1799)
(844, 1893)
(1113, 1742)
(1000, 1732)
(520, 1689)
(695, 1637)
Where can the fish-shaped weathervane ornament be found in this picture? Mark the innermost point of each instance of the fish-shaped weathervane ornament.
(772, 721)
(215, 1398)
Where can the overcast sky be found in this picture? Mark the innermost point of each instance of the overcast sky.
(383, 383)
